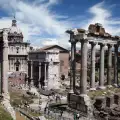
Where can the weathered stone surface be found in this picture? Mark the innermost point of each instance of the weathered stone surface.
(99, 103)
(108, 112)
(80, 103)
(109, 101)
(117, 98)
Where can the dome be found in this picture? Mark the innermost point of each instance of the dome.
(14, 29)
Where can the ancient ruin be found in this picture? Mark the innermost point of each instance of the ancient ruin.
(78, 100)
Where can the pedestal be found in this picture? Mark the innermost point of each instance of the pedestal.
(80, 103)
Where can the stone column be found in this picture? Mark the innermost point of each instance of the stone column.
(73, 66)
(5, 62)
(83, 80)
(26, 84)
(101, 72)
(115, 65)
(45, 75)
(39, 73)
(92, 78)
(109, 66)
(39, 70)
(27, 68)
(31, 77)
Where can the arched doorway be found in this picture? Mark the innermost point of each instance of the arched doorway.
(17, 64)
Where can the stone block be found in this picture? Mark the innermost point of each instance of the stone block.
(117, 98)
(99, 102)
(79, 103)
(109, 101)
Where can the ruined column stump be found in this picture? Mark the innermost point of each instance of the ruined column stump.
(80, 104)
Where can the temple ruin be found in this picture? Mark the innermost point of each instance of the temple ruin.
(95, 35)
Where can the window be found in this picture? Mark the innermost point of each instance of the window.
(17, 48)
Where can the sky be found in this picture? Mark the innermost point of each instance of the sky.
(44, 22)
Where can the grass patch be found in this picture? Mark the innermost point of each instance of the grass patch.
(106, 92)
(35, 114)
(4, 115)
(20, 99)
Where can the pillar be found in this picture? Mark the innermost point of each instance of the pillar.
(27, 69)
(109, 66)
(115, 65)
(5, 62)
(101, 72)
(92, 78)
(26, 84)
(73, 66)
(45, 74)
(39, 73)
(39, 70)
(31, 77)
(83, 80)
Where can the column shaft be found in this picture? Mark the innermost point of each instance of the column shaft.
(45, 75)
(92, 79)
(39, 70)
(73, 66)
(109, 66)
(101, 73)
(116, 65)
(83, 81)
(45, 71)
(27, 69)
(32, 80)
(31, 70)
(5, 63)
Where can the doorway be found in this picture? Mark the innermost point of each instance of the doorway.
(17, 68)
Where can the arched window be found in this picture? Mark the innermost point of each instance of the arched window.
(17, 48)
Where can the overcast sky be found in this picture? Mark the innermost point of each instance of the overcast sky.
(44, 22)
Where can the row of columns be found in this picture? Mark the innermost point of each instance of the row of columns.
(31, 72)
(83, 79)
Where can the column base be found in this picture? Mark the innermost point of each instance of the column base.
(115, 85)
(71, 91)
(109, 86)
(92, 89)
(101, 87)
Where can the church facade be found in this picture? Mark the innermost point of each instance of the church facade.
(17, 49)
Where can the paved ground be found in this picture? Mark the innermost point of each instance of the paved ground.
(19, 116)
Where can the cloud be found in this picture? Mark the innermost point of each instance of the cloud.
(42, 26)
(36, 19)
(102, 13)
(50, 42)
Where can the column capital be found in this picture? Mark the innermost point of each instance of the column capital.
(73, 41)
(109, 45)
(92, 43)
(101, 44)
(84, 40)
